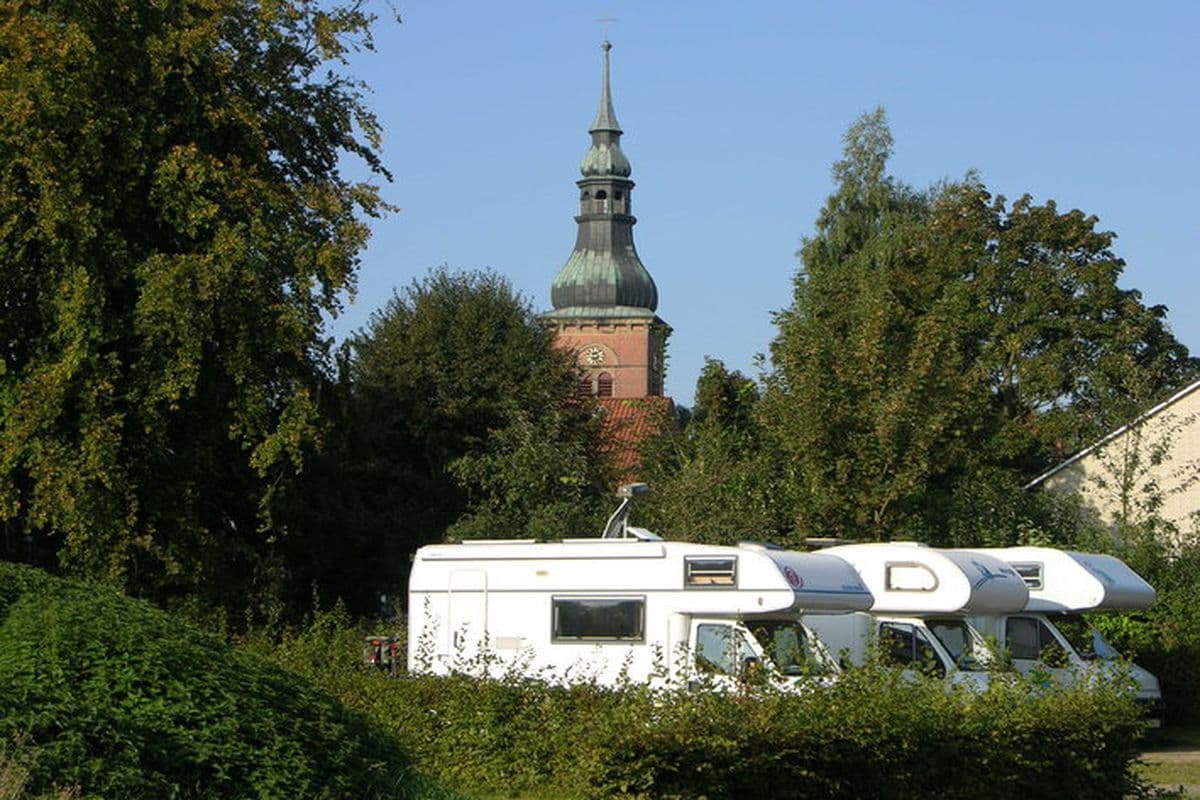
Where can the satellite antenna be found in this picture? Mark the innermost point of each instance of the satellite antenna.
(618, 523)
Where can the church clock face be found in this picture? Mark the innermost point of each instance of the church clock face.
(594, 356)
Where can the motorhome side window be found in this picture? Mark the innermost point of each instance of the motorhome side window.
(1031, 573)
(955, 636)
(598, 619)
(1030, 638)
(703, 572)
(720, 649)
(909, 576)
(904, 644)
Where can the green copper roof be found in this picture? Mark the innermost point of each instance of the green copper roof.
(604, 280)
(604, 158)
(603, 276)
(610, 312)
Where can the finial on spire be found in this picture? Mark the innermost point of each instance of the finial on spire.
(606, 117)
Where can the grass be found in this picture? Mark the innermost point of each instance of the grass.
(14, 777)
(1169, 761)
(1171, 775)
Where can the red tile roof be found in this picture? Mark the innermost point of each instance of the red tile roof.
(625, 424)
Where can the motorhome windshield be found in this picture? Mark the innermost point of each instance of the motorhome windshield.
(787, 644)
(1085, 639)
(956, 636)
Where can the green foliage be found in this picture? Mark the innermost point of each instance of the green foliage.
(873, 733)
(716, 477)
(538, 475)
(19, 581)
(457, 351)
(874, 388)
(174, 224)
(124, 701)
(1164, 639)
(14, 774)
(1068, 355)
(466, 380)
(453, 405)
(990, 507)
(939, 335)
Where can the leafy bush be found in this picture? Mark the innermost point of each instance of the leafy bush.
(120, 699)
(17, 581)
(875, 735)
(871, 734)
(1166, 638)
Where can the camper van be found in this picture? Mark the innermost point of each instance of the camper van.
(922, 597)
(1050, 634)
(624, 608)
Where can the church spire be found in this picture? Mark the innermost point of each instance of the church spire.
(604, 299)
(604, 276)
(606, 118)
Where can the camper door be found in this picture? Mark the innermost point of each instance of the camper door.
(911, 646)
(467, 629)
(1032, 643)
(722, 653)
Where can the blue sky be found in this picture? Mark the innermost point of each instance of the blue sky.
(733, 115)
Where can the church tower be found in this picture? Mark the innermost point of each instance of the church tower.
(604, 298)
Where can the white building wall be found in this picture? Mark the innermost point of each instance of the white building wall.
(1150, 467)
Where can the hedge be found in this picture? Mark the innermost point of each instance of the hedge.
(117, 698)
(121, 700)
(873, 734)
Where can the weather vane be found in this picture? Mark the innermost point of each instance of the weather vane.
(606, 21)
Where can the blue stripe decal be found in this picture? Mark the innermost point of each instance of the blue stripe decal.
(854, 593)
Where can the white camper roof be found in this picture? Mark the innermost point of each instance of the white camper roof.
(1062, 580)
(748, 578)
(910, 578)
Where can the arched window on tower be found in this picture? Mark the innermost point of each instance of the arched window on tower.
(619, 202)
(584, 201)
(602, 201)
(586, 387)
(604, 385)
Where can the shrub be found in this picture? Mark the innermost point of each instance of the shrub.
(122, 700)
(1166, 638)
(874, 733)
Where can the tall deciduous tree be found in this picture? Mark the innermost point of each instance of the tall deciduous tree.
(455, 407)
(174, 224)
(448, 360)
(939, 336)
(1067, 353)
(872, 373)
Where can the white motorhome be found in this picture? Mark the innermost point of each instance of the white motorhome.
(1050, 634)
(635, 608)
(922, 598)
